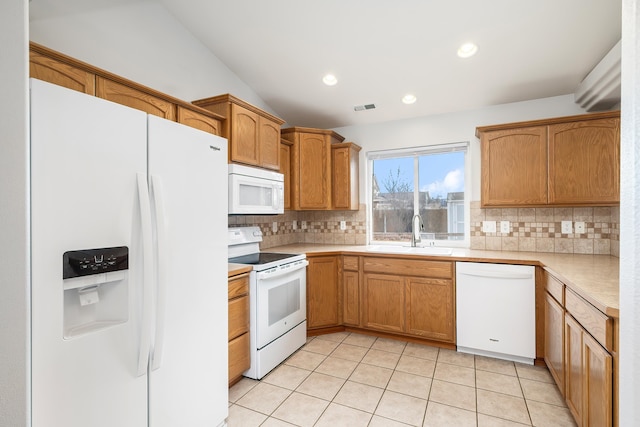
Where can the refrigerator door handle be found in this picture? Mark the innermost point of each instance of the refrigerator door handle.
(147, 260)
(161, 295)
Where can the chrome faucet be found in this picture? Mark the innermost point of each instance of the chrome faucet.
(416, 227)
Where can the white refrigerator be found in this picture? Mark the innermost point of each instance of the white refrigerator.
(129, 266)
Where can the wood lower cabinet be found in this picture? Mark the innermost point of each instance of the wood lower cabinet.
(323, 292)
(351, 291)
(253, 134)
(579, 349)
(430, 308)
(239, 351)
(384, 302)
(566, 161)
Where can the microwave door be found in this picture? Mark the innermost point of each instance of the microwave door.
(251, 195)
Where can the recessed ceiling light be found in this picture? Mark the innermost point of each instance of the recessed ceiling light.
(330, 80)
(467, 50)
(409, 99)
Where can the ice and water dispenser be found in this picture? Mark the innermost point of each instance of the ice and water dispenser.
(95, 289)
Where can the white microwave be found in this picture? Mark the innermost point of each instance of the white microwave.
(255, 191)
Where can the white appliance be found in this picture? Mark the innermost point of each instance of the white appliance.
(495, 306)
(255, 191)
(128, 281)
(277, 300)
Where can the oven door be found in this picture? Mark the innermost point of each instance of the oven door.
(281, 301)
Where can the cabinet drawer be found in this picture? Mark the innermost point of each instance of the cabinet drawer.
(554, 287)
(238, 286)
(591, 319)
(239, 356)
(238, 316)
(409, 267)
(350, 263)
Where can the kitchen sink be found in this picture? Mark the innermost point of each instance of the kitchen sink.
(419, 250)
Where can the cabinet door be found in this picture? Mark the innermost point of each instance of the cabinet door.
(351, 304)
(554, 339)
(244, 136)
(597, 384)
(269, 140)
(514, 167)
(285, 169)
(134, 98)
(50, 70)
(344, 177)
(313, 190)
(584, 162)
(199, 121)
(430, 308)
(323, 292)
(384, 302)
(573, 366)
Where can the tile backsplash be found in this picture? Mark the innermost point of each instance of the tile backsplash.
(531, 229)
(320, 227)
(539, 230)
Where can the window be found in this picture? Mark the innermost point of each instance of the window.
(426, 181)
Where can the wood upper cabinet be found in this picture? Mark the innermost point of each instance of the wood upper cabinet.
(253, 134)
(199, 120)
(323, 292)
(514, 167)
(556, 162)
(44, 67)
(311, 167)
(134, 98)
(285, 170)
(584, 162)
(345, 176)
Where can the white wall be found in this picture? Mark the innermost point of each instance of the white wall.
(146, 44)
(630, 218)
(14, 266)
(452, 127)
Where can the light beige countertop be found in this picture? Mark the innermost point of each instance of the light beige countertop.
(594, 277)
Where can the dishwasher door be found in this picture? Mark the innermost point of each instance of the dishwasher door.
(495, 306)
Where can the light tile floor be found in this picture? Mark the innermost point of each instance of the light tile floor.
(352, 380)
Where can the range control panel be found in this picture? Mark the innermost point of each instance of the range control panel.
(86, 262)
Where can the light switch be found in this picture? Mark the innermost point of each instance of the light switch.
(505, 227)
(343, 225)
(294, 225)
(489, 226)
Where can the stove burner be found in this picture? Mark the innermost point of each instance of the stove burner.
(260, 258)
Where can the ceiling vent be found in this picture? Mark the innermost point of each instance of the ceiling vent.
(600, 90)
(364, 107)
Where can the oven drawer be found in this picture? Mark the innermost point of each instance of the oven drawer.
(238, 316)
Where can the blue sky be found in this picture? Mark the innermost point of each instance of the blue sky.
(439, 173)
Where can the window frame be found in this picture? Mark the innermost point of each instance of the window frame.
(416, 152)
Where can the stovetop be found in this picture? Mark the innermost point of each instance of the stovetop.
(259, 258)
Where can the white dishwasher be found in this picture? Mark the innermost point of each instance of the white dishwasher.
(495, 310)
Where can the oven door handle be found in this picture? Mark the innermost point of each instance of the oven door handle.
(263, 276)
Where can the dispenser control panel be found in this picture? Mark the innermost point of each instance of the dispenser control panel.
(86, 262)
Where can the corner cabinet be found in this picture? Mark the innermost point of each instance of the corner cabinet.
(567, 161)
(253, 134)
(311, 167)
(581, 354)
(345, 176)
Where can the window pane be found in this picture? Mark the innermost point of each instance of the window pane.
(441, 178)
(392, 204)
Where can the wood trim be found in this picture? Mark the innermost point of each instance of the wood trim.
(549, 121)
(229, 99)
(298, 129)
